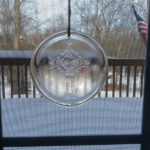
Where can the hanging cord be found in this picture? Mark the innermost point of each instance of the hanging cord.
(69, 16)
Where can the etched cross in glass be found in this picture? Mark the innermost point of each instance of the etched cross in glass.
(69, 62)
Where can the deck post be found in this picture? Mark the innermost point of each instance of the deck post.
(1, 147)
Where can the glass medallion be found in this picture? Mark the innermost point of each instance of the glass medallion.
(69, 71)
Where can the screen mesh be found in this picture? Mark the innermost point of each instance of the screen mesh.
(40, 117)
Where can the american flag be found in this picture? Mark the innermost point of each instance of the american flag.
(142, 26)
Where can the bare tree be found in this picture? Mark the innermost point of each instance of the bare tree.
(17, 20)
(112, 23)
(6, 24)
(17, 24)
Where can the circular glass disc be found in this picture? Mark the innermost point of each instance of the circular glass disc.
(69, 71)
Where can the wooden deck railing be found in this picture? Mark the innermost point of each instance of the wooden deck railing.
(125, 78)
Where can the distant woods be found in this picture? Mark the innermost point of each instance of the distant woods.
(110, 22)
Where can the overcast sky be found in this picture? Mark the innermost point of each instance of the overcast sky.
(51, 8)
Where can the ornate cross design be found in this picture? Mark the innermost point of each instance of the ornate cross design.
(69, 62)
